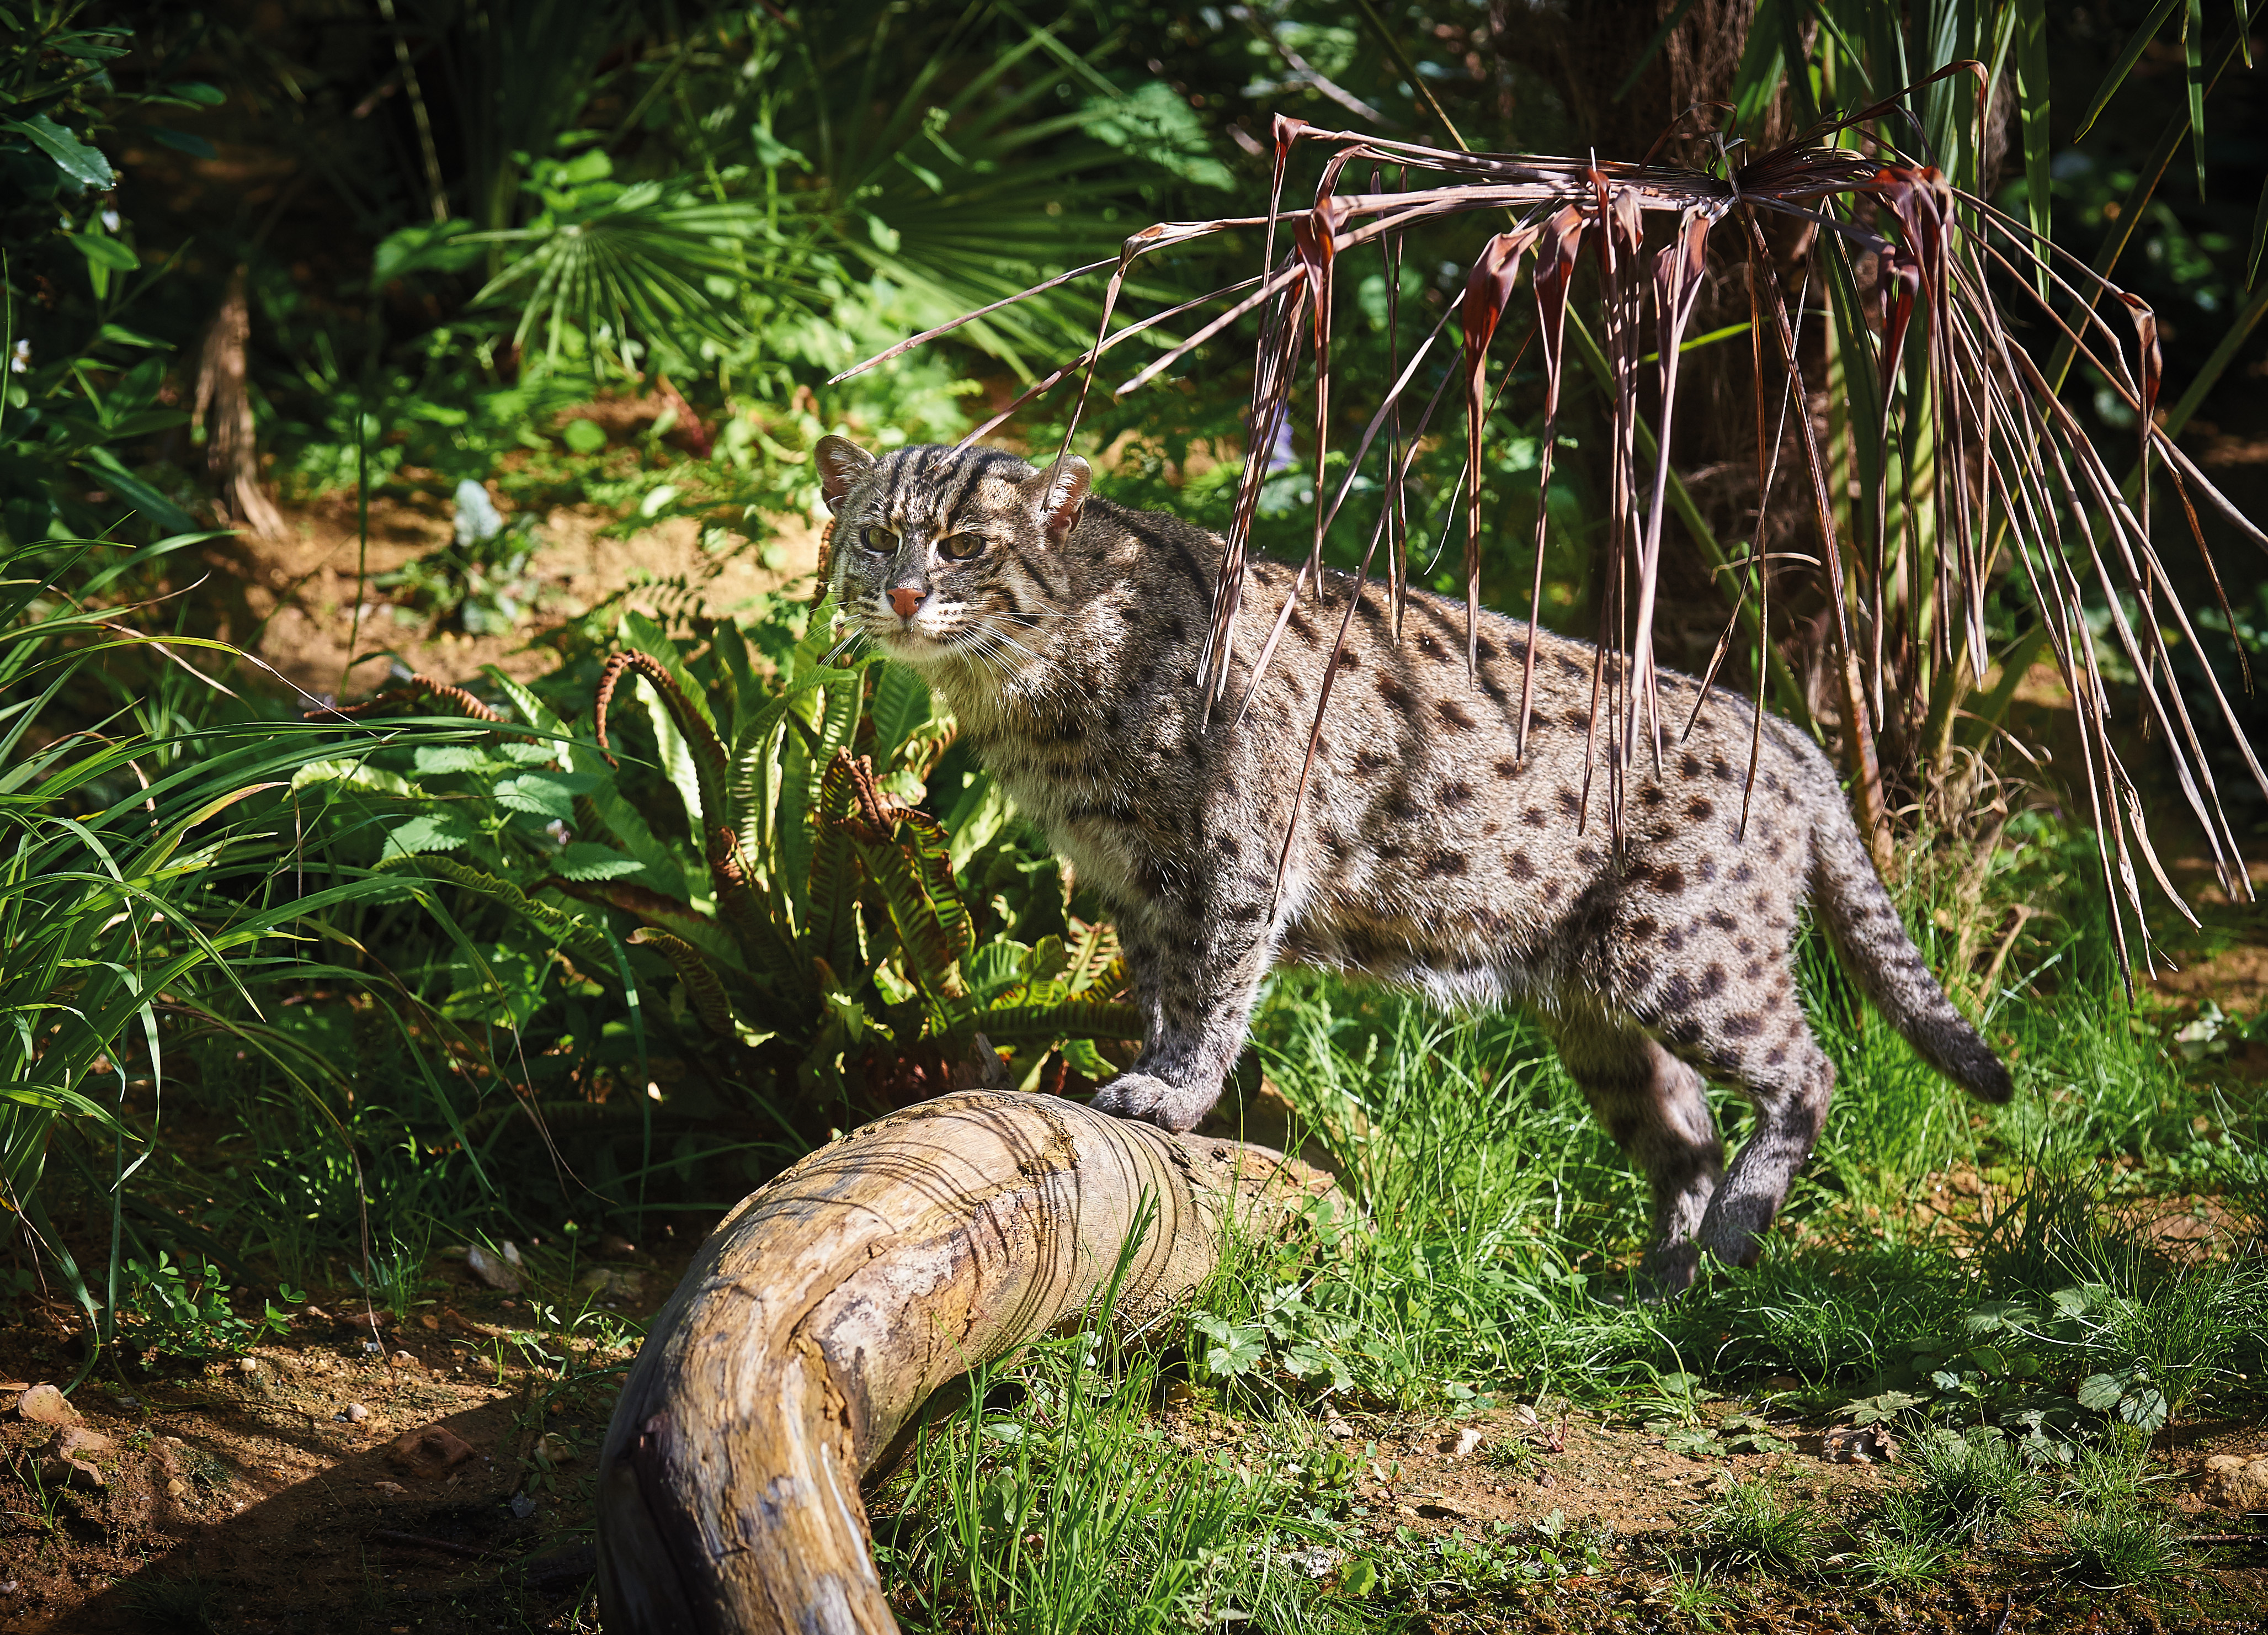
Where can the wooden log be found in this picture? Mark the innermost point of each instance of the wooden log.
(831, 1303)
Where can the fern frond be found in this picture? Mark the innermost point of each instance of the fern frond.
(571, 932)
(710, 764)
(710, 1000)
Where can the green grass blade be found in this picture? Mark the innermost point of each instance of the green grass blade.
(2193, 66)
(2131, 54)
(2031, 24)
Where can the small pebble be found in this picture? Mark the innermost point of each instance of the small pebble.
(403, 1359)
(357, 1412)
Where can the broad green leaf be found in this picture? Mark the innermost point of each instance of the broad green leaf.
(2101, 1392)
(2144, 1408)
(75, 159)
(533, 711)
(436, 832)
(360, 773)
(637, 631)
(676, 756)
(587, 860)
(901, 703)
(542, 794)
(981, 811)
(112, 475)
(101, 251)
(433, 760)
(183, 141)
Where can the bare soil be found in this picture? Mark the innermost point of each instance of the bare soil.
(244, 1495)
(249, 1500)
(291, 599)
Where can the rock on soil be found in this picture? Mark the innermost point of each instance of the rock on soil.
(434, 1451)
(2237, 1482)
(67, 1460)
(45, 1405)
(494, 1270)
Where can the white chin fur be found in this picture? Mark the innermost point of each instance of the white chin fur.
(914, 646)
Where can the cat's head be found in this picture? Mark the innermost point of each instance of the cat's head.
(935, 549)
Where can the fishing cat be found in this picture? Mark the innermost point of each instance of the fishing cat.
(1064, 633)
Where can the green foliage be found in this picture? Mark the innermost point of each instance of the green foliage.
(1758, 1527)
(1071, 1510)
(192, 1605)
(2121, 1546)
(185, 1311)
(482, 581)
(139, 860)
(77, 386)
(394, 1279)
(1503, 1558)
(1973, 1489)
(827, 935)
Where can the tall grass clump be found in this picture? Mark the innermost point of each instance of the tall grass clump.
(1969, 1489)
(1053, 1502)
(152, 888)
(1490, 1202)
(1755, 1526)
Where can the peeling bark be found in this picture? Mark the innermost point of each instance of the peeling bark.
(834, 1301)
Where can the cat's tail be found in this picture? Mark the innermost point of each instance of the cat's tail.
(1882, 959)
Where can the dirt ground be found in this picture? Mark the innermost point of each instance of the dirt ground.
(291, 599)
(304, 1486)
(245, 1495)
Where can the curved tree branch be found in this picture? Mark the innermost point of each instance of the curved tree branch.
(834, 1301)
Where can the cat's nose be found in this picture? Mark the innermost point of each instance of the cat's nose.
(906, 600)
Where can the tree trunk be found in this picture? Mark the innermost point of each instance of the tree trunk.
(232, 454)
(823, 1312)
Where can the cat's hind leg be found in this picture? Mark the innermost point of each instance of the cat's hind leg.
(1656, 1109)
(1789, 1081)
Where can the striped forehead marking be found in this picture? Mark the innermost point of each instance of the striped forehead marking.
(929, 485)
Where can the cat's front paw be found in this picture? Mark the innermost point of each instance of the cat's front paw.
(1152, 1101)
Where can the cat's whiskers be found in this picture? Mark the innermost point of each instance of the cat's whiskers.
(992, 630)
(985, 653)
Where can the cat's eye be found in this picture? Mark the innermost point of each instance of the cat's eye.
(960, 547)
(880, 541)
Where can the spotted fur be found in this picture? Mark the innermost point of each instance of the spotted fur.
(1428, 852)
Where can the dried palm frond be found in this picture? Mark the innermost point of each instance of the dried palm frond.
(1939, 300)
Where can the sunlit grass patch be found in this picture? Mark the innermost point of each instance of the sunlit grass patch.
(2120, 1546)
(1757, 1527)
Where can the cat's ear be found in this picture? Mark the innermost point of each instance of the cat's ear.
(841, 463)
(1065, 499)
